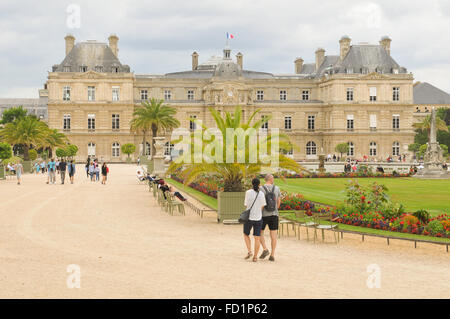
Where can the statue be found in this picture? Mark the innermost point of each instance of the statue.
(434, 157)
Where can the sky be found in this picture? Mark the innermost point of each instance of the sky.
(159, 36)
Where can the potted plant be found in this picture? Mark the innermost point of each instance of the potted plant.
(128, 148)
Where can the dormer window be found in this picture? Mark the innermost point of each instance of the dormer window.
(99, 69)
(115, 69)
(395, 71)
(66, 68)
(83, 68)
(349, 70)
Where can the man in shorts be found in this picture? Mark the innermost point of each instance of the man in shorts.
(270, 216)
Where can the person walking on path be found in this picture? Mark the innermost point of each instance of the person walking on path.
(91, 171)
(86, 167)
(255, 201)
(270, 215)
(71, 170)
(19, 170)
(105, 171)
(51, 171)
(62, 170)
(43, 167)
(96, 170)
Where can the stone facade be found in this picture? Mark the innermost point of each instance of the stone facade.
(320, 105)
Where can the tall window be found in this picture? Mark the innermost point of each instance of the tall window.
(350, 122)
(305, 95)
(287, 122)
(168, 148)
(265, 125)
(396, 122)
(283, 95)
(351, 149)
(311, 148)
(66, 93)
(66, 122)
(190, 95)
(373, 149)
(115, 149)
(91, 93)
(115, 93)
(396, 149)
(192, 124)
(349, 94)
(148, 148)
(144, 95)
(260, 95)
(372, 94)
(311, 122)
(167, 95)
(396, 94)
(91, 149)
(91, 122)
(373, 122)
(115, 121)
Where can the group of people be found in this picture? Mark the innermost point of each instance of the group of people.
(263, 203)
(160, 184)
(60, 167)
(93, 170)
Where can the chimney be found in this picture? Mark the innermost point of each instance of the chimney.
(320, 57)
(113, 39)
(298, 65)
(345, 45)
(70, 42)
(386, 44)
(194, 61)
(239, 60)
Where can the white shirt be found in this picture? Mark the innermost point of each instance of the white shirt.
(256, 211)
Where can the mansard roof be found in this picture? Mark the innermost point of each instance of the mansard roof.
(91, 54)
(425, 93)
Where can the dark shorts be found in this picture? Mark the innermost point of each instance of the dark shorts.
(272, 221)
(255, 224)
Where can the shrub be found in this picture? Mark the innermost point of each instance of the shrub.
(410, 219)
(32, 154)
(435, 227)
(446, 224)
(5, 151)
(128, 148)
(422, 215)
(71, 150)
(60, 152)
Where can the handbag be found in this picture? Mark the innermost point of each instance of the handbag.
(245, 215)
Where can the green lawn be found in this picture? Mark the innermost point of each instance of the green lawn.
(205, 199)
(414, 194)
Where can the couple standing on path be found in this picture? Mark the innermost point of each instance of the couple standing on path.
(263, 203)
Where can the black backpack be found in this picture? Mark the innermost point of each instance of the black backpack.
(271, 199)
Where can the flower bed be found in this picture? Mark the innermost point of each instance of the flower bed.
(204, 185)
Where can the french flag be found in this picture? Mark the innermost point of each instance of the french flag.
(230, 36)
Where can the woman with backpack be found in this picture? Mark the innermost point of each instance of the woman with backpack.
(105, 171)
(255, 202)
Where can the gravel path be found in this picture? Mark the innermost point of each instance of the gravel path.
(126, 247)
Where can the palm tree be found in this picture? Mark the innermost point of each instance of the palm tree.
(27, 131)
(425, 125)
(53, 139)
(153, 115)
(234, 174)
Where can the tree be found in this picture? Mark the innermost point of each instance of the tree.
(153, 115)
(214, 162)
(414, 147)
(61, 152)
(53, 139)
(32, 154)
(423, 149)
(128, 148)
(5, 151)
(27, 131)
(425, 125)
(444, 149)
(12, 114)
(71, 150)
(342, 148)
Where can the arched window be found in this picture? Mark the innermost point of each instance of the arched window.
(311, 148)
(91, 149)
(351, 149)
(115, 149)
(168, 148)
(373, 149)
(396, 149)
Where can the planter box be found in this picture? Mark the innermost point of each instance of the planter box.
(230, 205)
(2, 172)
(27, 165)
(128, 160)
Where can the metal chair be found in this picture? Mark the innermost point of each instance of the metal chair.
(322, 227)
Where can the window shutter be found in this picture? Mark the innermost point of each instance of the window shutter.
(373, 120)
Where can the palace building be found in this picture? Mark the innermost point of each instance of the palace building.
(360, 96)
